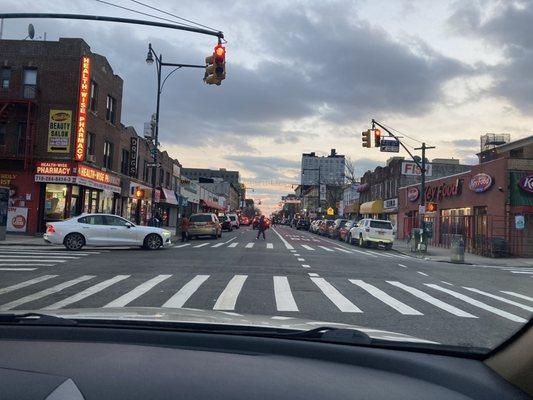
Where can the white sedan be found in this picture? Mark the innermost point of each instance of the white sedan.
(104, 230)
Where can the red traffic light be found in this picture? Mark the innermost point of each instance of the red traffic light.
(220, 53)
(377, 137)
(431, 207)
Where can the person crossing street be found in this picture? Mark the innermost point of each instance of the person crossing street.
(261, 227)
(184, 229)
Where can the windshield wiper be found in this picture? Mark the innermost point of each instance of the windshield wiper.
(35, 319)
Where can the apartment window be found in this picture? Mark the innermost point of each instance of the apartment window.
(145, 170)
(167, 180)
(108, 155)
(29, 83)
(125, 162)
(21, 138)
(94, 96)
(5, 77)
(111, 106)
(90, 144)
(161, 175)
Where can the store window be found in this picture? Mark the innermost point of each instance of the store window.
(108, 155)
(106, 202)
(93, 100)
(111, 105)
(55, 202)
(74, 201)
(5, 78)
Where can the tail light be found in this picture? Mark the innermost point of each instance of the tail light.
(50, 229)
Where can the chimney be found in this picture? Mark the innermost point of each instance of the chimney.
(333, 152)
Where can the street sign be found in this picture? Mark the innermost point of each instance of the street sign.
(153, 164)
(330, 211)
(421, 209)
(389, 145)
(519, 222)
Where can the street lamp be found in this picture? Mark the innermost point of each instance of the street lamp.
(159, 64)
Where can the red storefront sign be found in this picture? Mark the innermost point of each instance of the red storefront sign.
(480, 182)
(442, 190)
(413, 193)
(97, 175)
(83, 102)
(53, 168)
(526, 183)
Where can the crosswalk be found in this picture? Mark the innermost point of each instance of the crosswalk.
(291, 294)
(26, 258)
(271, 246)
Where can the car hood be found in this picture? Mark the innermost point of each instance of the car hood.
(189, 315)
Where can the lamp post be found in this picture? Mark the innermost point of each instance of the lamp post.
(150, 57)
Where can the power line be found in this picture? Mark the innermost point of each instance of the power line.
(401, 133)
(142, 13)
(173, 15)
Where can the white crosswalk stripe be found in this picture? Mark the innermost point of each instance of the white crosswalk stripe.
(478, 304)
(233, 245)
(21, 258)
(45, 292)
(503, 299)
(179, 299)
(341, 302)
(343, 250)
(182, 245)
(26, 283)
(307, 247)
(385, 298)
(270, 246)
(86, 293)
(228, 297)
(325, 248)
(137, 292)
(218, 245)
(22, 269)
(32, 256)
(432, 300)
(520, 296)
(282, 292)
(249, 245)
(200, 245)
(47, 253)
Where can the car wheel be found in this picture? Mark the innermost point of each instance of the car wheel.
(74, 241)
(349, 239)
(153, 241)
(388, 246)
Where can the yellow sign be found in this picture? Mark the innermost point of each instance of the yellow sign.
(330, 211)
(59, 128)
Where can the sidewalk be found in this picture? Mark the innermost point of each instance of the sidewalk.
(442, 254)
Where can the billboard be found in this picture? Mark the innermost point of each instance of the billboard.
(59, 128)
(410, 168)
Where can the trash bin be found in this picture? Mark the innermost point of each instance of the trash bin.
(457, 248)
(419, 240)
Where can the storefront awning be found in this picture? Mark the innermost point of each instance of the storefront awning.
(169, 197)
(351, 208)
(210, 204)
(371, 207)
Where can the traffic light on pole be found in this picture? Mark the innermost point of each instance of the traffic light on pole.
(366, 139)
(139, 193)
(377, 137)
(431, 207)
(215, 66)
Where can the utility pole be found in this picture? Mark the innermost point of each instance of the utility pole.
(423, 181)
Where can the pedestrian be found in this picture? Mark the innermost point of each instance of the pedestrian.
(184, 229)
(261, 227)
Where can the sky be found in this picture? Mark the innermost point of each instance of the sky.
(306, 76)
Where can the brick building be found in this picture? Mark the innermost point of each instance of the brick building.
(63, 148)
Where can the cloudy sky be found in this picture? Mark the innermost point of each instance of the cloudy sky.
(310, 75)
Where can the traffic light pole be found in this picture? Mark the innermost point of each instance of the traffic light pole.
(159, 65)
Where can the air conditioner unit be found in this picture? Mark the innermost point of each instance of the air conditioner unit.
(91, 158)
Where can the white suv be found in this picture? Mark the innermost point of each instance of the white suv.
(368, 231)
(234, 220)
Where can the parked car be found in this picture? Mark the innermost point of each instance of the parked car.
(373, 231)
(104, 230)
(234, 219)
(333, 231)
(315, 225)
(344, 231)
(225, 222)
(325, 224)
(302, 224)
(204, 224)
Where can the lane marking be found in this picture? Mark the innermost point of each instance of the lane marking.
(401, 265)
(432, 300)
(447, 283)
(48, 260)
(301, 259)
(520, 296)
(313, 274)
(249, 245)
(307, 247)
(421, 273)
(17, 269)
(287, 244)
(227, 241)
(270, 246)
(86, 293)
(379, 294)
(182, 245)
(292, 251)
(144, 287)
(341, 302)
(182, 295)
(228, 297)
(340, 249)
(503, 299)
(306, 266)
(26, 283)
(200, 245)
(365, 253)
(234, 244)
(46, 253)
(2, 256)
(478, 304)
(296, 254)
(23, 264)
(282, 292)
(45, 292)
(218, 245)
(380, 254)
(325, 248)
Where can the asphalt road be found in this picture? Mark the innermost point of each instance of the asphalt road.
(290, 274)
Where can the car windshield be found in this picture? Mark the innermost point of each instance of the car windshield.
(289, 121)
